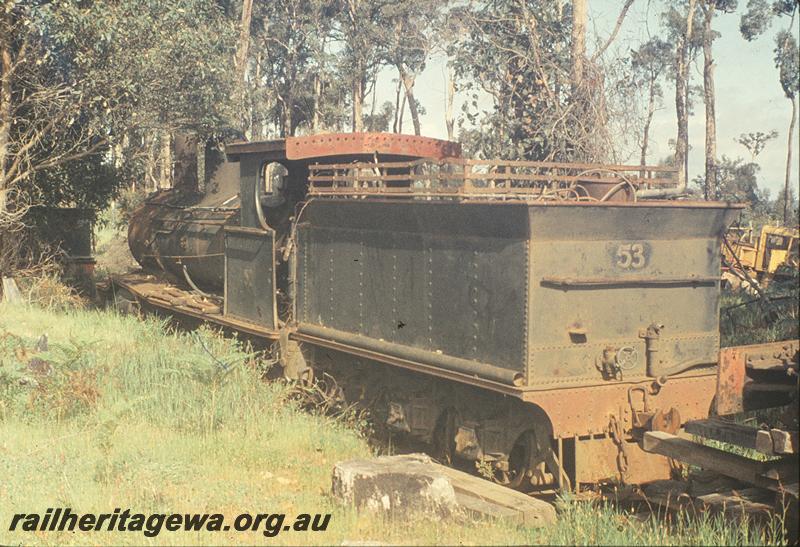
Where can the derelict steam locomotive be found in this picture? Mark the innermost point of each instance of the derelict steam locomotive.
(533, 316)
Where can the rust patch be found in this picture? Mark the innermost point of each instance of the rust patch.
(585, 411)
(348, 144)
(596, 462)
(730, 381)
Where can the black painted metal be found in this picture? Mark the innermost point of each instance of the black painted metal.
(414, 355)
(250, 275)
(439, 277)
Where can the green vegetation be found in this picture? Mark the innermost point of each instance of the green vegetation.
(744, 319)
(128, 413)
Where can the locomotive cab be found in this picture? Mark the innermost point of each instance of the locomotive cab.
(273, 186)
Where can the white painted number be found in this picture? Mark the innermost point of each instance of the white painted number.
(631, 256)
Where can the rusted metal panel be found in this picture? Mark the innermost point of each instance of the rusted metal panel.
(274, 149)
(473, 284)
(587, 410)
(596, 461)
(731, 377)
(745, 369)
(155, 292)
(350, 144)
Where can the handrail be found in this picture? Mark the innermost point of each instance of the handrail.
(456, 177)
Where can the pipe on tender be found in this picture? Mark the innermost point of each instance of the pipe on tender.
(454, 364)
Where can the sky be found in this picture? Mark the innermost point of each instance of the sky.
(749, 97)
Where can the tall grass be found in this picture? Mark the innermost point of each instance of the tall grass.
(121, 412)
(746, 319)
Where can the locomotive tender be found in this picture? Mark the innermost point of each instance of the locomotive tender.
(531, 316)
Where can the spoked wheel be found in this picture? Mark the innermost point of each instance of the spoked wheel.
(526, 464)
(520, 462)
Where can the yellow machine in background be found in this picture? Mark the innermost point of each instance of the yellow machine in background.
(775, 247)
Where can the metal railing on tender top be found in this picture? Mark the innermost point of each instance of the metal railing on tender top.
(485, 179)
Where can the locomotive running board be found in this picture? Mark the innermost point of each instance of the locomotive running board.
(151, 291)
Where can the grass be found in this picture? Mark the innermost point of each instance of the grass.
(743, 320)
(134, 415)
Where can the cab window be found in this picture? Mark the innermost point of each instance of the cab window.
(273, 178)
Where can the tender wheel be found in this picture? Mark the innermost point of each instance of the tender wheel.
(527, 464)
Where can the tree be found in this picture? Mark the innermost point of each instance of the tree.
(755, 142)
(282, 63)
(786, 57)
(45, 112)
(737, 181)
(80, 79)
(648, 64)
(753, 23)
(579, 15)
(360, 29)
(161, 67)
(522, 54)
(709, 7)
(412, 32)
(380, 121)
(681, 26)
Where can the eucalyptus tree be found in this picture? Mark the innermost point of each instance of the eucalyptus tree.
(758, 17)
(412, 30)
(78, 77)
(359, 30)
(649, 63)
(161, 67)
(549, 94)
(709, 8)
(679, 22)
(519, 54)
(285, 57)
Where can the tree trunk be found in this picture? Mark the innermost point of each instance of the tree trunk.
(408, 84)
(358, 99)
(449, 120)
(150, 163)
(288, 130)
(710, 186)
(166, 160)
(200, 152)
(317, 99)
(244, 38)
(395, 124)
(579, 10)
(681, 90)
(5, 121)
(242, 50)
(789, 163)
(402, 113)
(256, 126)
(651, 108)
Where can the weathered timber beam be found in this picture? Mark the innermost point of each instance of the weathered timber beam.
(764, 474)
(722, 430)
